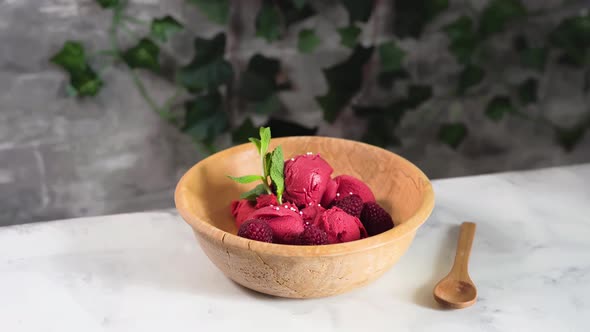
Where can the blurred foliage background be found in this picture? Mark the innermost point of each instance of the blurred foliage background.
(218, 95)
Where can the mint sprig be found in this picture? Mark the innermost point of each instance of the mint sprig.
(272, 166)
(276, 172)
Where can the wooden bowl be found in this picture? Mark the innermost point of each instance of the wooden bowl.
(203, 198)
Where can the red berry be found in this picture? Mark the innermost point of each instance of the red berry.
(375, 219)
(351, 204)
(313, 236)
(256, 229)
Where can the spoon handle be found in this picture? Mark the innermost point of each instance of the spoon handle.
(463, 250)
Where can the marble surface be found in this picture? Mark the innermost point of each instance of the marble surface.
(145, 272)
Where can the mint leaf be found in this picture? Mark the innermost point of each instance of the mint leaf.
(267, 162)
(256, 142)
(245, 178)
(264, 140)
(163, 28)
(276, 172)
(255, 192)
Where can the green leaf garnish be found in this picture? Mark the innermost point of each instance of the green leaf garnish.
(267, 161)
(256, 142)
(264, 140)
(276, 172)
(246, 178)
(252, 194)
(272, 166)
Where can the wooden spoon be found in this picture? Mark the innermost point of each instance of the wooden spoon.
(457, 290)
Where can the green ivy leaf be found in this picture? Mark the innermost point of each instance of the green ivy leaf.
(108, 3)
(299, 4)
(520, 43)
(572, 35)
(308, 41)
(207, 69)
(568, 138)
(499, 106)
(268, 22)
(386, 79)
(210, 76)
(144, 54)
(358, 10)
(497, 14)
(86, 82)
(83, 79)
(463, 41)
(294, 11)
(255, 192)
(470, 76)
(534, 58)
(269, 105)
(391, 56)
(215, 10)
(344, 81)
(164, 27)
(244, 131)
(381, 132)
(204, 117)
(276, 172)
(71, 57)
(452, 134)
(246, 178)
(259, 82)
(284, 128)
(417, 94)
(527, 91)
(412, 16)
(349, 35)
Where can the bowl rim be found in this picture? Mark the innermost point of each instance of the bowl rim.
(228, 239)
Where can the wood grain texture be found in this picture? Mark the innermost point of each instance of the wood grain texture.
(204, 194)
(457, 290)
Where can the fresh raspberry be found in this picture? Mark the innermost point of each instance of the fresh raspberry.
(375, 219)
(351, 204)
(256, 229)
(313, 236)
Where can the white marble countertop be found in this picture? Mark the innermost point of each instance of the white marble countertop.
(145, 272)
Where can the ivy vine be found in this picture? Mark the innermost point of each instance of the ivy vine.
(215, 93)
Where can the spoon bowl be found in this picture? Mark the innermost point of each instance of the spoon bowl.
(455, 293)
(456, 290)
